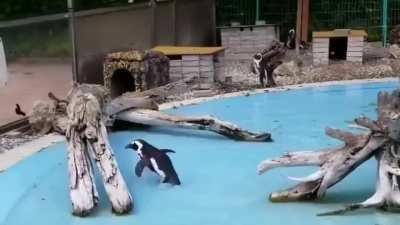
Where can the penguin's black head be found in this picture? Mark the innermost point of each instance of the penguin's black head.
(136, 144)
(257, 56)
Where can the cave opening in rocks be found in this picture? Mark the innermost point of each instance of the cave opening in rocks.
(337, 48)
(122, 81)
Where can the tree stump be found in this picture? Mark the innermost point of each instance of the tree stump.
(86, 135)
(382, 141)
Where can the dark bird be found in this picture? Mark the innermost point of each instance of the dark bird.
(19, 111)
(156, 160)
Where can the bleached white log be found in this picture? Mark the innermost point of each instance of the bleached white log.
(86, 134)
(157, 118)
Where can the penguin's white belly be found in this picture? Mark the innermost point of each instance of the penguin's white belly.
(156, 168)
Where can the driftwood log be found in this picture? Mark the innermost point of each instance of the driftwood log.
(83, 117)
(382, 141)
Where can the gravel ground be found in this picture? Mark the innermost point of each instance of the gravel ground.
(9, 141)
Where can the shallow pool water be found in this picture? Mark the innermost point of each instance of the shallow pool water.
(220, 183)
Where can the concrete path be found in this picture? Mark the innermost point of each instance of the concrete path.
(31, 80)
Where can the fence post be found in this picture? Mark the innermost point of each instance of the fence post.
(298, 25)
(3, 65)
(384, 22)
(73, 40)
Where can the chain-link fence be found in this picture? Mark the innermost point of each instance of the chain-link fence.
(324, 14)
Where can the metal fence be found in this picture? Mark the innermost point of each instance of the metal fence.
(324, 14)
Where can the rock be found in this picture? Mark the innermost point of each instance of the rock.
(288, 69)
(394, 51)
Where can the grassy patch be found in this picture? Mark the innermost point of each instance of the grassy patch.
(49, 39)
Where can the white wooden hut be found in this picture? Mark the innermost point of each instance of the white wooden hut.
(207, 63)
(339, 44)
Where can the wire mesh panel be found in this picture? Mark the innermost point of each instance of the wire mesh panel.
(394, 13)
(282, 13)
(324, 14)
(242, 11)
(355, 14)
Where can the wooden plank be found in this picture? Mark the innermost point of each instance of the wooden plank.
(321, 45)
(190, 63)
(173, 63)
(358, 39)
(206, 57)
(206, 68)
(320, 40)
(190, 58)
(320, 50)
(175, 69)
(355, 43)
(355, 48)
(349, 54)
(207, 74)
(206, 63)
(186, 70)
(193, 74)
(354, 59)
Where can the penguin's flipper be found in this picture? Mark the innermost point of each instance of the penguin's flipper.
(139, 168)
(167, 151)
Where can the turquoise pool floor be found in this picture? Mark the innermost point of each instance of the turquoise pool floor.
(220, 183)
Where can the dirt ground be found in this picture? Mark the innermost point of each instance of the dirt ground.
(31, 80)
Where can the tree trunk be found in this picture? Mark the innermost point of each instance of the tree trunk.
(335, 164)
(86, 134)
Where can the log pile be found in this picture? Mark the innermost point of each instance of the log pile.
(381, 142)
(84, 117)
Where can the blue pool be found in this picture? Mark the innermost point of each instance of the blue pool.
(220, 182)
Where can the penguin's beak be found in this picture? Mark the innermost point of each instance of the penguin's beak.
(129, 146)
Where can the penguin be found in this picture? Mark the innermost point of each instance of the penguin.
(291, 39)
(156, 160)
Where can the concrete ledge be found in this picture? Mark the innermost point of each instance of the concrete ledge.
(14, 156)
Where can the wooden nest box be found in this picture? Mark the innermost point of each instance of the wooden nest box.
(205, 63)
(339, 44)
(133, 71)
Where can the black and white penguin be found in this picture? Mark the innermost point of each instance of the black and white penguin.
(156, 160)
